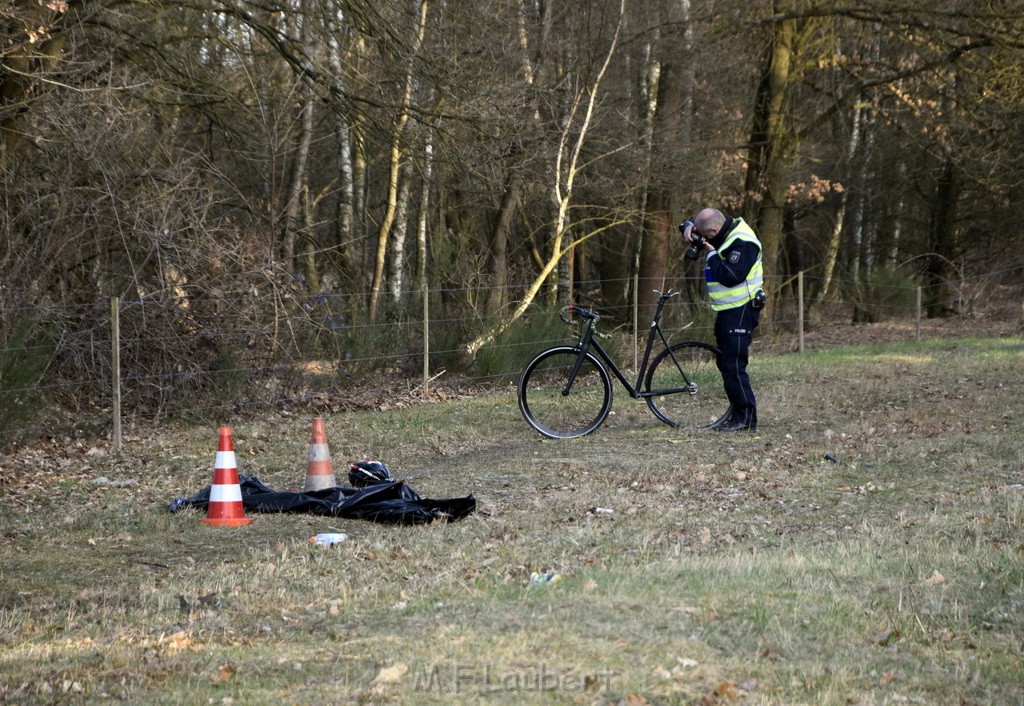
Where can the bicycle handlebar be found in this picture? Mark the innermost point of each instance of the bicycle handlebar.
(573, 309)
(594, 316)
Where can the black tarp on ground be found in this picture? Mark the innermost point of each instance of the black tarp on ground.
(391, 503)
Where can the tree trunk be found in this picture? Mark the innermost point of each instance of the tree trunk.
(360, 217)
(297, 185)
(567, 169)
(620, 250)
(401, 232)
(297, 182)
(497, 254)
(674, 98)
(25, 58)
(767, 162)
(344, 216)
(422, 253)
(835, 238)
(396, 157)
(942, 238)
(865, 231)
(309, 248)
(653, 252)
(893, 251)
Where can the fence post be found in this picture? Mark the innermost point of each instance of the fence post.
(636, 315)
(917, 316)
(426, 335)
(800, 309)
(115, 369)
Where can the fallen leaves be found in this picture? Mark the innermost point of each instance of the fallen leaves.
(392, 674)
(34, 469)
(681, 671)
(67, 686)
(385, 398)
(224, 673)
(170, 645)
(724, 692)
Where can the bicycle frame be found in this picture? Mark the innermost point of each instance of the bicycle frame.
(587, 342)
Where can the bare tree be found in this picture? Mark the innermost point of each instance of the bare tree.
(297, 180)
(397, 155)
(669, 114)
(567, 168)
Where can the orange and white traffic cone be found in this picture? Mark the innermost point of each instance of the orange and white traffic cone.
(320, 469)
(225, 508)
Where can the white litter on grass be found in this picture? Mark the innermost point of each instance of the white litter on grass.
(104, 482)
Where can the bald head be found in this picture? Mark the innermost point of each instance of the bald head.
(709, 221)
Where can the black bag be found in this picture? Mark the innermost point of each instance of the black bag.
(390, 503)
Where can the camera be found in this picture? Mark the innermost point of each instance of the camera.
(696, 242)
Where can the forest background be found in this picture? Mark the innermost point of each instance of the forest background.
(241, 195)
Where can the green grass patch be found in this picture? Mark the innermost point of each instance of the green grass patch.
(732, 569)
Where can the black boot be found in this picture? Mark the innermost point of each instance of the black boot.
(747, 422)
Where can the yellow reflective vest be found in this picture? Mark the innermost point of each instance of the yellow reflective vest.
(723, 297)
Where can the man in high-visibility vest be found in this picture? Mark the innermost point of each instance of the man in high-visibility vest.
(734, 277)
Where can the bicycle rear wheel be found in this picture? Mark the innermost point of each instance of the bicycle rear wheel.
(543, 401)
(685, 388)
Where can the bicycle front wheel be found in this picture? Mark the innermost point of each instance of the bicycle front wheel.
(561, 413)
(684, 388)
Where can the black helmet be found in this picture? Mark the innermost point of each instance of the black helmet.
(364, 473)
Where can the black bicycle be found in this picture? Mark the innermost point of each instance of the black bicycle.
(566, 391)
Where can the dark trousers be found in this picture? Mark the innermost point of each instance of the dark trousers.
(734, 329)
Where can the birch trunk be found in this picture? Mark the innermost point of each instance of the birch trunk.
(344, 215)
(396, 157)
(297, 181)
(424, 215)
(835, 238)
(401, 232)
(497, 251)
(566, 170)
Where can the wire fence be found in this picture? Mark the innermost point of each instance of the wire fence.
(94, 368)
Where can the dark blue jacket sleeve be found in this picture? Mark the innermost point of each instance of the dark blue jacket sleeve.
(729, 272)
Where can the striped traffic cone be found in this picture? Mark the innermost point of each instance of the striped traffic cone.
(225, 508)
(320, 470)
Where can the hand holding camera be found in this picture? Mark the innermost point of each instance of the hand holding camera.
(695, 239)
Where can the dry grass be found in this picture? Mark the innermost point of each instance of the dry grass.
(733, 569)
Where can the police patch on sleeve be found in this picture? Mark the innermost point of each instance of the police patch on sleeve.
(734, 257)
